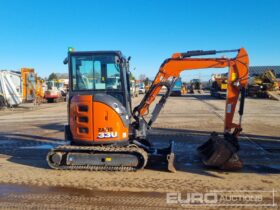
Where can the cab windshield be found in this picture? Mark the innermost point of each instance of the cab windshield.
(96, 72)
(52, 84)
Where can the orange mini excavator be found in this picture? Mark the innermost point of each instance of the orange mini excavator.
(106, 134)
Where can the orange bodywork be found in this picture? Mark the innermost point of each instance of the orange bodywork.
(95, 122)
(27, 86)
(238, 78)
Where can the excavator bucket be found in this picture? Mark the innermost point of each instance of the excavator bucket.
(220, 152)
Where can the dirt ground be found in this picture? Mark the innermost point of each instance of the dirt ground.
(27, 133)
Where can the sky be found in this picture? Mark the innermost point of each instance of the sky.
(37, 33)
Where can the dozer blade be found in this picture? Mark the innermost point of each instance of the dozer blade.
(171, 158)
(220, 152)
(163, 155)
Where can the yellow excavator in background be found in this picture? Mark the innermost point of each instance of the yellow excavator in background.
(218, 84)
(32, 86)
(264, 85)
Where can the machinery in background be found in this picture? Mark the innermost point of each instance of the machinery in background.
(63, 86)
(55, 91)
(10, 88)
(39, 91)
(20, 87)
(28, 77)
(264, 85)
(39, 88)
(32, 86)
(184, 89)
(177, 88)
(195, 86)
(142, 89)
(218, 85)
(134, 88)
(106, 134)
(148, 84)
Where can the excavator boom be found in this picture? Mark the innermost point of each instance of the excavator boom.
(216, 152)
(172, 67)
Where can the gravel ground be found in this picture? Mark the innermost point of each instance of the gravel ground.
(27, 133)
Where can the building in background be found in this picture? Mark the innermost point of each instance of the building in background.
(258, 70)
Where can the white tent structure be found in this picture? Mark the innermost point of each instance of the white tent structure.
(10, 88)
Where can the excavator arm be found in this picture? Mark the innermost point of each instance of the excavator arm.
(172, 67)
(216, 152)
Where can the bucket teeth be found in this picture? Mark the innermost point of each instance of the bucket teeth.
(234, 163)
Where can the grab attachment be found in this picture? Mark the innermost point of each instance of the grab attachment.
(220, 152)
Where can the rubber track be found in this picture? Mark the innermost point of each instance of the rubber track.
(105, 149)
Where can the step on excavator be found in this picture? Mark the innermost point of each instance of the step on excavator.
(106, 134)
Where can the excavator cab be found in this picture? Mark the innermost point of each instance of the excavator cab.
(99, 80)
(99, 72)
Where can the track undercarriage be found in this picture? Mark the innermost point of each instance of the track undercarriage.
(107, 158)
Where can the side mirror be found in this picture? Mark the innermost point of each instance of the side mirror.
(65, 61)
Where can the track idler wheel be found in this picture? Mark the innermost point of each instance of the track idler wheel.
(57, 158)
(220, 152)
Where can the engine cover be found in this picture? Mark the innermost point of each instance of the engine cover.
(98, 119)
